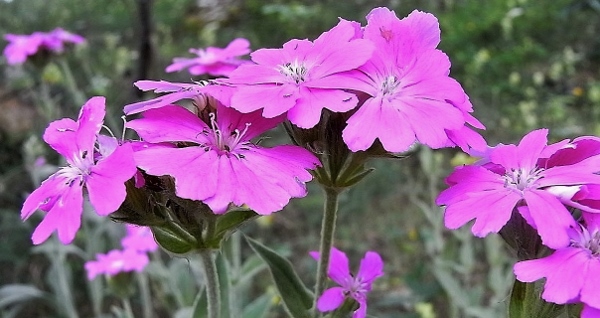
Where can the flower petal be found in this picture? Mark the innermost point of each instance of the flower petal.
(331, 299)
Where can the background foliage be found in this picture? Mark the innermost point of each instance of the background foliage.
(525, 64)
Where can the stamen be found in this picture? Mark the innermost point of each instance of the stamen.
(389, 85)
(294, 70)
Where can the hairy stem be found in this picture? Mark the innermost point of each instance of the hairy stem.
(212, 282)
(327, 232)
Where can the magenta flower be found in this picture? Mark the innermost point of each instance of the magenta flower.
(115, 262)
(536, 178)
(23, 46)
(353, 286)
(292, 79)
(213, 60)
(412, 98)
(200, 93)
(102, 173)
(139, 238)
(221, 165)
(573, 272)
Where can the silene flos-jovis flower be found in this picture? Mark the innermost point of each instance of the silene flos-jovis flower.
(96, 165)
(23, 46)
(573, 272)
(350, 286)
(535, 178)
(220, 165)
(213, 60)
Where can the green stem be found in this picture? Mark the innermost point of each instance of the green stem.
(213, 294)
(327, 233)
(145, 295)
(127, 308)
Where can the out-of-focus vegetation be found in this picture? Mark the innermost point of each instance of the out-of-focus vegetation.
(525, 64)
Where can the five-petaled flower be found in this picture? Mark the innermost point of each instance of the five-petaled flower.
(536, 178)
(571, 272)
(296, 78)
(351, 286)
(95, 163)
(219, 164)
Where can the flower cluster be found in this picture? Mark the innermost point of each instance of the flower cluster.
(23, 46)
(542, 184)
(132, 257)
(351, 286)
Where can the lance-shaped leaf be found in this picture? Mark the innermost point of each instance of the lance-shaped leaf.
(296, 297)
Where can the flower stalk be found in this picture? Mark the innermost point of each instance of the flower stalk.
(330, 210)
(213, 293)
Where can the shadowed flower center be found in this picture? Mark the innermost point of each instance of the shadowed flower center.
(296, 71)
(521, 179)
(389, 85)
(589, 241)
(226, 143)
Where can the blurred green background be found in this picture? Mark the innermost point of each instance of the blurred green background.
(525, 64)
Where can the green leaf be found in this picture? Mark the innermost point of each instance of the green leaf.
(200, 307)
(11, 295)
(232, 220)
(172, 241)
(525, 302)
(296, 298)
(259, 307)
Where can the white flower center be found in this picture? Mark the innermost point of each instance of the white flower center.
(79, 169)
(589, 241)
(389, 85)
(296, 71)
(226, 143)
(521, 179)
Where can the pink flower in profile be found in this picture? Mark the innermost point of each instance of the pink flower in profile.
(536, 178)
(115, 262)
(221, 165)
(353, 286)
(292, 79)
(213, 60)
(139, 238)
(200, 93)
(23, 46)
(573, 272)
(412, 98)
(101, 171)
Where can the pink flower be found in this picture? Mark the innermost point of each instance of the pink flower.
(412, 98)
(139, 238)
(353, 286)
(213, 60)
(219, 164)
(115, 262)
(292, 79)
(536, 178)
(200, 93)
(22, 46)
(572, 273)
(101, 172)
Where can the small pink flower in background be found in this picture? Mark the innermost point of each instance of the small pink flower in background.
(412, 97)
(223, 166)
(100, 171)
(295, 78)
(213, 60)
(115, 262)
(353, 286)
(23, 46)
(139, 238)
(536, 178)
(573, 272)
